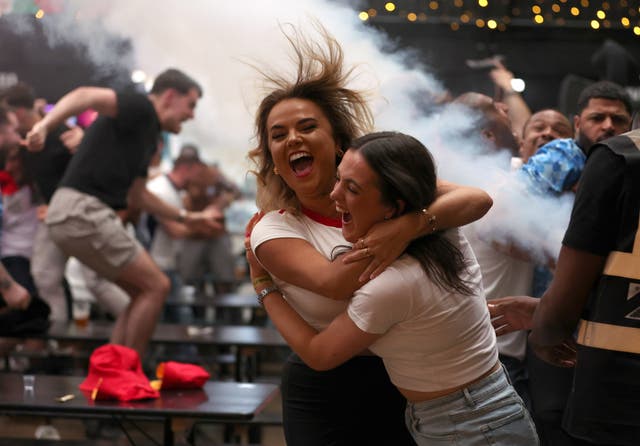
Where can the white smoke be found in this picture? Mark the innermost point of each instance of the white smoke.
(212, 41)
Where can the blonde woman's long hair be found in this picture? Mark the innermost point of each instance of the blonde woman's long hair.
(320, 78)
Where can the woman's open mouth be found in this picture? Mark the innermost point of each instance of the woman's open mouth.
(301, 163)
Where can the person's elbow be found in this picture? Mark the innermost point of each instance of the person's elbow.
(321, 359)
(484, 203)
(322, 364)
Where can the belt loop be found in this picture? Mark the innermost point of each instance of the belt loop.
(468, 397)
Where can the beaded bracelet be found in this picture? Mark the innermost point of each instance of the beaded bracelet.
(263, 293)
(430, 219)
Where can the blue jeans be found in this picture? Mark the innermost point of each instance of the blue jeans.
(488, 412)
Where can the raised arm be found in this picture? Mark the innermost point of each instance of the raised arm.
(103, 100)
(454, 206)
(297, 262)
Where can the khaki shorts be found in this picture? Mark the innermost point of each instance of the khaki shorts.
(85, 228)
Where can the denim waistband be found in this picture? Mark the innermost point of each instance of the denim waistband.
(494, 382)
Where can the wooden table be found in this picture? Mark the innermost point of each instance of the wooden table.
(222, 335)
(217, 401)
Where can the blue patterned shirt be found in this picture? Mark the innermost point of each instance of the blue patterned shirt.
(555, 167)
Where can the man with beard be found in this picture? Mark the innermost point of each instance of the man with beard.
(603, 110)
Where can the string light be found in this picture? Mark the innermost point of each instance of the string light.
(39, 14)
(621, 14)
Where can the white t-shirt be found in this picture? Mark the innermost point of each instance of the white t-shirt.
(433, 339)
(503, 275)
(19, 224)
(164, 248)
(323, 235)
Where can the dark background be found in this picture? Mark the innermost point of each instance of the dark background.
(544, 58)
(54, 71)
(554, 59)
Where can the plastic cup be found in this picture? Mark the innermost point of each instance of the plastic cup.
(81, 312)
(29, 382)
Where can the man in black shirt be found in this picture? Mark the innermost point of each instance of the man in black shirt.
(596, 293)
(49, 165)
(108, 173)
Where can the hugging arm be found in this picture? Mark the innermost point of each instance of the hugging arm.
(454, 206)
(297, 262)
(324, 350)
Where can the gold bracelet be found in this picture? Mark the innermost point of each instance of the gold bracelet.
(261, 279)
(430, 219)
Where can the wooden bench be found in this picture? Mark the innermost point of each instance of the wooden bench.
(245, 341)
(229, 308)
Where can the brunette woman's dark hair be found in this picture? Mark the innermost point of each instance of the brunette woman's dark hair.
(406, 176)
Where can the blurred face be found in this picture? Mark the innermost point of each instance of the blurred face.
(357, 197)
(13, 164)
(178, 108)
(198, 179)
(9, 136)
(501, 132)
(303, 149)
(601, 119)
(543, 127)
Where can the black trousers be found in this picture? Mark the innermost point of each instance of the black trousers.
(34, 319)
(351, 405)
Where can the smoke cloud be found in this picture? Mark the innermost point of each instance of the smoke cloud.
(213, 41)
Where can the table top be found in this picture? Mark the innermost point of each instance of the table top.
(227, 335)
(216, 400)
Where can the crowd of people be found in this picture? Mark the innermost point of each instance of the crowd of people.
(407, 325)
(80, 192)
